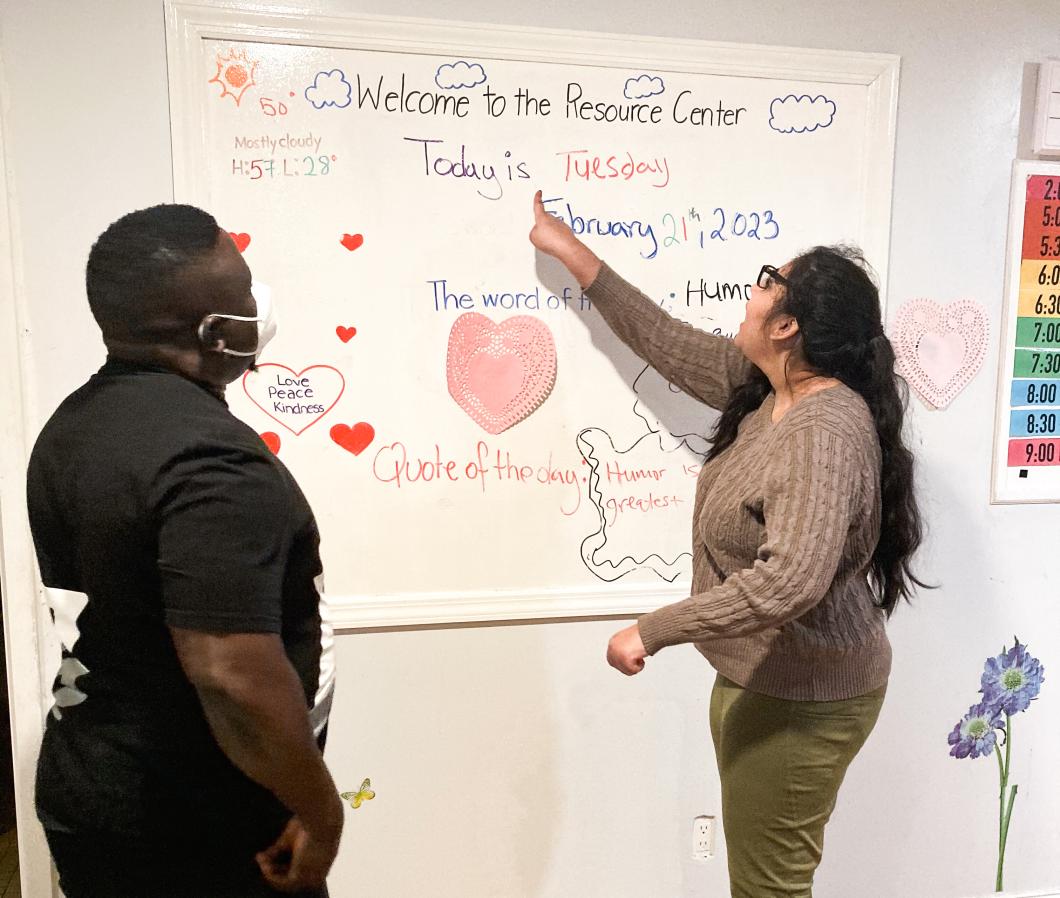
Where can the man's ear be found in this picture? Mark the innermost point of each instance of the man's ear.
(209, 335)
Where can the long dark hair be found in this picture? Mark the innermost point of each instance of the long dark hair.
(835, 301)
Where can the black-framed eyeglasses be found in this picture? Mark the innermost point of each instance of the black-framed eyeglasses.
(768, 275)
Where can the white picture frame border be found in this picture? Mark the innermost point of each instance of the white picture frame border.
(1021, 170)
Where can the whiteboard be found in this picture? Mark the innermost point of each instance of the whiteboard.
(1027, 420)
(474, 441)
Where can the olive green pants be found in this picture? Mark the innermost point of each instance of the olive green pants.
(781, 763)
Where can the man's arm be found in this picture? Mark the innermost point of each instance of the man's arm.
(222, 576)
(256, 709)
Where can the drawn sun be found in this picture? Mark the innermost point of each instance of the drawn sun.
(235, 74)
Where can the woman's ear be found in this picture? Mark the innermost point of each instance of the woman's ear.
(783, 328)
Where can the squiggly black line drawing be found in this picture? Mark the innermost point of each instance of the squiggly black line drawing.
(606, 569)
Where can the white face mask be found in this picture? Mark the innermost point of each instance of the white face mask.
(266, 321)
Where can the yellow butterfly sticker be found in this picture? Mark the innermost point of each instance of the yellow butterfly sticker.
(363, 794)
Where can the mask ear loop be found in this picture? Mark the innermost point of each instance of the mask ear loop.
(207, 323)
(205, 326)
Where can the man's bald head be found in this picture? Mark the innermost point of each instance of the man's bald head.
(164, 284)
(135, 267)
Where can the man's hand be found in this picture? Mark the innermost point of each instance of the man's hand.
(297, 861)
(625, 651)
(256, 708)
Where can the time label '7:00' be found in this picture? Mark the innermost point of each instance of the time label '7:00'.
(1035, 332)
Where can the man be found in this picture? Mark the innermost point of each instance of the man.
(181, 562)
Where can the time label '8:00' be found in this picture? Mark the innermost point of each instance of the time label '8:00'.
(1035, 392)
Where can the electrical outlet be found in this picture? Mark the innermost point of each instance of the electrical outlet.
(702, 838)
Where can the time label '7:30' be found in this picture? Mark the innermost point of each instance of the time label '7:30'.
(1031, 363)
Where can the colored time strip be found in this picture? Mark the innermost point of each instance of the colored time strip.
(1032, 363)
(1036, 274)
(1039, 302)
(1043, 187)
(1041, 230)
(1035, 332)
(1031, 453)
(1035, 393)
(1033, 423)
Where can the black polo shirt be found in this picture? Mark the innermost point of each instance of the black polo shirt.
(152, 506)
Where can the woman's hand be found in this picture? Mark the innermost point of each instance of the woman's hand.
(625, 651)
(552, 236)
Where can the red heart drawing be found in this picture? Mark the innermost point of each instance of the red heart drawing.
(353, 439)
(352, 241)
(242, 241)
(346, 333)
(295, 400)
(272, 440)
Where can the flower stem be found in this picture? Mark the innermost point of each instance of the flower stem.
(1004, 814)
(1004, 833)
(1001, 799)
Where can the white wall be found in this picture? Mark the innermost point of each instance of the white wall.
(509, 761)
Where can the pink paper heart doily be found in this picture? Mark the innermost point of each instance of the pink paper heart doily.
(500, 373)
(940, 349)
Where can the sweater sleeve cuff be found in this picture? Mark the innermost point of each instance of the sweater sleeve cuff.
(662, 628)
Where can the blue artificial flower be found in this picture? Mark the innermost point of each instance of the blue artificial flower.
(1012, 680)
(976, 733)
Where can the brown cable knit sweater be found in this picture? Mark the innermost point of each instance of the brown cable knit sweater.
(784, 524)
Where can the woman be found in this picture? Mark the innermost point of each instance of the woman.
(792, 574)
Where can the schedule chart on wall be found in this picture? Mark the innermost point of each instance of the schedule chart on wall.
(1027, 450)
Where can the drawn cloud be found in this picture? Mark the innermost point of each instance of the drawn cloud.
(455, 75)
(643, 86)
(800, 114)
(329, 89)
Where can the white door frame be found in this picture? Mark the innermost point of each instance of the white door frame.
(26, 619)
